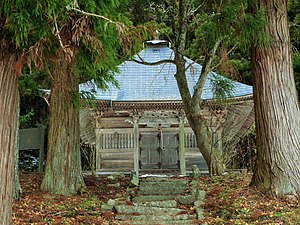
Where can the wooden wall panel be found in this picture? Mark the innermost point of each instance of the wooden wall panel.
(113, 122)
(125, 165)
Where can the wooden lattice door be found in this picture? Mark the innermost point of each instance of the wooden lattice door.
(149, 150)
(169, 153)
(158, 150)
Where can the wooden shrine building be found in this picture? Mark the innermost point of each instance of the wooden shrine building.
(142, 126)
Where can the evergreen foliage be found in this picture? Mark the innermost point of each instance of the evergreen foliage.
(38, 28)
(232, 22)
(294, 23)
(222, 87)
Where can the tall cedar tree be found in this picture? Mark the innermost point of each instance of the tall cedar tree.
(70, 45)
(276, 107)
(8, 127)
(89, 47)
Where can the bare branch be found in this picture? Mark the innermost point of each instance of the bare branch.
(194, 62)
(223, 58)
(58, 36)
(142, 61)
(154, 63)
(92, 14)
(192, 11)
(205, 71)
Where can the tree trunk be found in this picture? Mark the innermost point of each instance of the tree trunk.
(211, 150)
(63, 165)
(208, 132)
(17, 190)
(204, 135)
(8, 124)
(276, 107)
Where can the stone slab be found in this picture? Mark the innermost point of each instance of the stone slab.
(147, 210)
(201, 195)
(183, 199)
(143, 222)
(162, 204)
(199, 212)
(149, 198)
(163, 181)
(186, 200)
(156, 217)
(158, 191)
(169, 186)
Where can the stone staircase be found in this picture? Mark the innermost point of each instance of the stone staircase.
(160, 201)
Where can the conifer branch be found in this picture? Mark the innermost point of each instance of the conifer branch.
(94, 15)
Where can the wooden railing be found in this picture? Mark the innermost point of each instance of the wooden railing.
(112, 139)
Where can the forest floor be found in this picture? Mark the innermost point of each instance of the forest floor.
(229, 200)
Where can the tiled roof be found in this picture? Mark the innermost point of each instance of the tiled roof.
(140, 82)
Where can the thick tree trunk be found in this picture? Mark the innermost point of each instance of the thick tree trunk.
(212, 153)
(208, 132)
(276, 107)
(8, 124)
(17, 190)
(208, 141)
(63, 166)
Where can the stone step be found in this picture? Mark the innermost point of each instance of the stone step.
(162, 181)
(162, 204)
(147, 222)
(126, 209)
(183, 199)
(159, 187)
(151, 198)
(158, 191)
(186, 199)
(157, 218)
(155, 202)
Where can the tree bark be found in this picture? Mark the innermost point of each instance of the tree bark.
(212, 153)
(17, 189)
(8, 124)
(63, 165)
(276, 107)
(208, 131)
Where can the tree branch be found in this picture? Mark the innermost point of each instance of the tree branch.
(58, 35)
(194, 62)
(192, 11)
(142, 61)
(223, 58)
(205, 71)
(92, 14)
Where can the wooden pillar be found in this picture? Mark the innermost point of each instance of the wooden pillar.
(181, 146)
(136, 144)
(41, 150)
(99, 142)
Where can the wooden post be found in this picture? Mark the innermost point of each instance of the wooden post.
(136, 145)
(181, 146)
(41, 151)
(99, 146)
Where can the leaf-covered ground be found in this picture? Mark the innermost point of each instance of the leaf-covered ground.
(229, 200)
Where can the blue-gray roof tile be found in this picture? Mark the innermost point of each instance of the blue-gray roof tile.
(140, 82)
